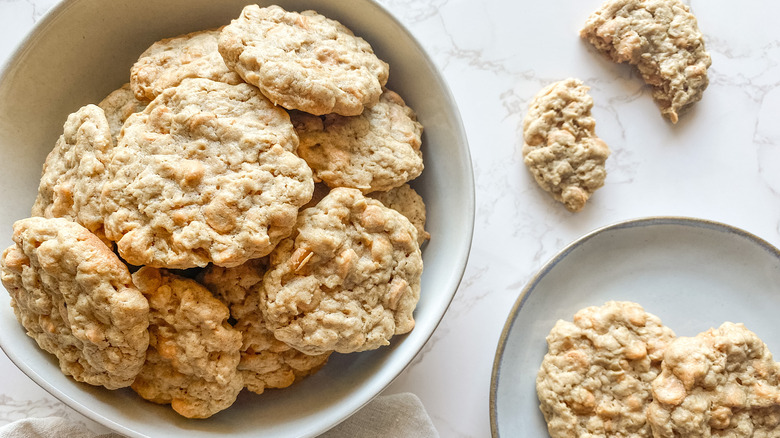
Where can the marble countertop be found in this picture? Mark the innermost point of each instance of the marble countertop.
(720, 162)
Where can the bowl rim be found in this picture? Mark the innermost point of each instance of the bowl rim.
(538, 276)
(455, 279)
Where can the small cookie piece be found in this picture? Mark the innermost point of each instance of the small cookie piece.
(303, 61)
(206, 173)
(347, 280)
(377, 150)
(168, 62)
(661, 38)
(193, 351)
(77, 300)
(406, 201)
(595, 378)
(75, 171)
(118, 106)
(265, 361)
(560, 147)
(722, 382)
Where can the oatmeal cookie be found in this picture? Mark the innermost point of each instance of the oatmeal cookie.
(75, 171)
(265, 361)
(406, 201)
(168, 62)
(348, 279)
(721, 383)
(77, 300)
(377, 150)
(206, 173)
(560, 147)
(661, 38)
(595, 378)
(193, 351)
(303, 60)
(118, 106)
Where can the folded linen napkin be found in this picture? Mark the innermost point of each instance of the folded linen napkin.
(392, 416)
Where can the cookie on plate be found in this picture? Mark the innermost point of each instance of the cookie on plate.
(560, 147)
(206, 173)
(265, 361)
(406, 201)
(75, 171)
(118, 106)
(660, 37)
(722, 382)
(595, 378)
(193, 351)
(168, 62)
(303, 61)
(77, 300)
(348, 279)
(377, 150)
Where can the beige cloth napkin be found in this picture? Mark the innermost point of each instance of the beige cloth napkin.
(388, 416)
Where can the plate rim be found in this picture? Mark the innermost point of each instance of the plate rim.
(687, 221)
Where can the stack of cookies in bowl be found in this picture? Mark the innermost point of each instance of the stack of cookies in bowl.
(229, 218)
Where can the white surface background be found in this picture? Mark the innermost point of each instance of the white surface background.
(720, 162)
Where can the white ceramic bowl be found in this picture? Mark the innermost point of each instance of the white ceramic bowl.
(82, 50)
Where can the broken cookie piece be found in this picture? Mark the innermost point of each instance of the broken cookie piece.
(560, 146)
(660, 37)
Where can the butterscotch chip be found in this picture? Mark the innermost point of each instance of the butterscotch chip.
(595, 378)
(75, 171)
(560, 147)
(406, 201)
(303, 61)
(348, 279)
(206, 173)
(376, 150)
(265, 361)
(118, 106)
(193, 351)
(168, 62)
(660, 37)
(77, 300)
(723, 382)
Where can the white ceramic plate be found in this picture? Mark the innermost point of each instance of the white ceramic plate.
(81, 51)
(693, 274)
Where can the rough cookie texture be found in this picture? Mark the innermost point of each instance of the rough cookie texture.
(561, 148)
(77, 300)
(377, 150)
(661, 38)
(75, 171)
(303, 61)
(721, 383)
(595, 378)
(118, 106)
(347, 280)
(193, 351)
(168, 62)
(206, 173)
(406, 201)
(265, 361)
